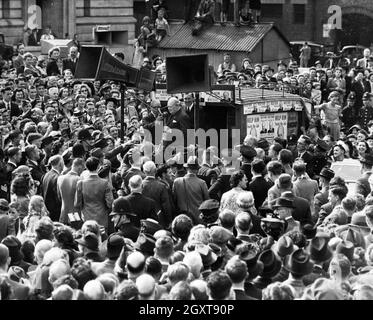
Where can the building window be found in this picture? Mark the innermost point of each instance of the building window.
(299, 11)
(5, 4)
(271, 10)
(87, 8)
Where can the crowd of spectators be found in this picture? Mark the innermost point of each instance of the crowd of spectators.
(85, 215)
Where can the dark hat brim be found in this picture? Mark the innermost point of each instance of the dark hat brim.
(274, 270)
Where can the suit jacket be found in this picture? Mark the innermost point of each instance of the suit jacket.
(15, 111)
(129, 174)
(302, 211)
(37, 171)
(66, 188)
(307, 157)
(180, 120)
(52, 68)
(246, 168)
(259, 187)
(362, 63)
(241, 295)
(157, 191)
(52, 202)
(6, 226)
(94, 198)
(220, 187)
(189, 196)
(69, 64)
(143, 207)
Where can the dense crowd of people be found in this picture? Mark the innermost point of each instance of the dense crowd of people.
(85, 215)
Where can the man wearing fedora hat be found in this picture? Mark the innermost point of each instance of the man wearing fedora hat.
(88, 246)
(190, 191)
(322, 197)
(320, 254)
(271, 267)
(299, 265)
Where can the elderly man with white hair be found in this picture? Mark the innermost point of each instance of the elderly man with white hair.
(178, 118)
(156, 190)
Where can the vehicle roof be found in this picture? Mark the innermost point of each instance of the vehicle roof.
(309, 42)
(350, 47)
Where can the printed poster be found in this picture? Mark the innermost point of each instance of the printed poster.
(268, 126)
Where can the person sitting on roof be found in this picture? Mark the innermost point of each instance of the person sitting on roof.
(162, 28)
(204, 16)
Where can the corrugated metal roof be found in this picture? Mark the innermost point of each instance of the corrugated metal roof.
(216, 37)
(253, 94)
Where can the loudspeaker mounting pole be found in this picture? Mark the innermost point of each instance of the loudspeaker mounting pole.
(196, 111)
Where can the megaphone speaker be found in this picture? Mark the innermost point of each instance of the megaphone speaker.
(188, 74)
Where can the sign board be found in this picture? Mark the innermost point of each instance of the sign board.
(272, 106)
(220, 95)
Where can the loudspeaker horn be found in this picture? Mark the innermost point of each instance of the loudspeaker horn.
(95, 62)
(188, 74)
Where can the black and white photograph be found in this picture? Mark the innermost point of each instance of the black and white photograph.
(202, 151)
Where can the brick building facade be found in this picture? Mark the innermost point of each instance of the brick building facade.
(67, 17)
(305, 19)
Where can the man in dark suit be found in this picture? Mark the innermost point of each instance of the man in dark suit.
(157, 191)
(33, 157)
(6, 103)
(71, 62)
(303, 154)
(359, 86)
(302, 210)
(178, 119)
(141, 205)
(248, 154)
(49, 185)
(259, 186)
(14, 158)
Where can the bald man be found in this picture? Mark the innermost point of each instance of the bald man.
(146, 286)
(94, 290)
(142, 206)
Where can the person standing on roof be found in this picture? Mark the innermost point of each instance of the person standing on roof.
(305, 55)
